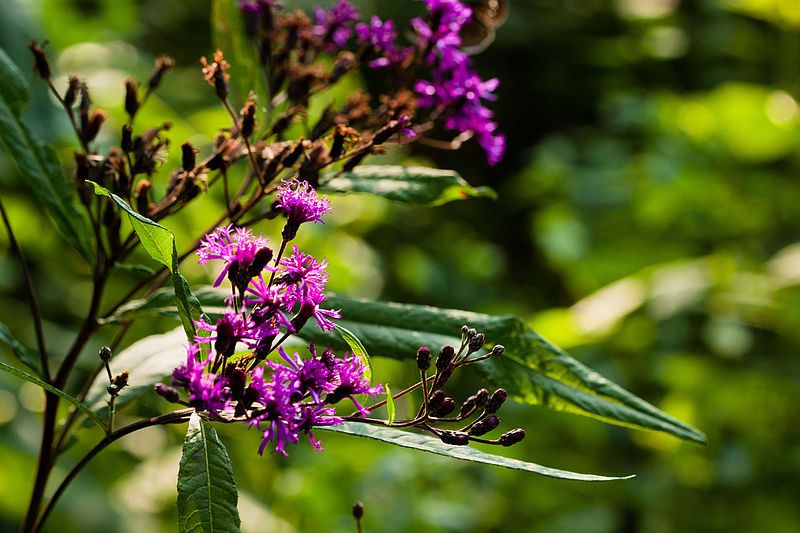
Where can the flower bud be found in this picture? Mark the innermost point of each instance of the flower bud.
(168, 393)
(445, 358)
(498, 350)
(143, 196)
(131, 98)
(476, 342)
(358, 510)
(457, 438)
(262, 258)
(512, 437)
(105, 354)
(93, 126)
(468, 407)
(447, 407)
(498, 397)
(248, 114)
(436, 400)
(481, 397)
(424, 358)
(484, 426)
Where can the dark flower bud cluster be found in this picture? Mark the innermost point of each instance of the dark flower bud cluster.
(440, 412)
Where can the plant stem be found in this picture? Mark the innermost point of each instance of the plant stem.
(176, 417)
(32, 299)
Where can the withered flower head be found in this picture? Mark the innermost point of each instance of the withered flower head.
(216, 73)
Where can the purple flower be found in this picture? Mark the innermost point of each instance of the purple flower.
(312, 416)
(309, 376)
(302, 204)
(207, 391)
(381, 36)
(277, 413)
(335, 24)
(352, 378)
(244, 254)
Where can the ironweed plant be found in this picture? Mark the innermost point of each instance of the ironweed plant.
(233, 366)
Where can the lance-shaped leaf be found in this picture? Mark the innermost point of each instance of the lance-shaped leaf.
(58, 392)
(162, 303)
(356, 346)
(20, 351)
(159, 242)
(429, 444)
(37, 161)
(411, 185)
(148, 361)
(207, 494)
(532, 370)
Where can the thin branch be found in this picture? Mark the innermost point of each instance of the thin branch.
(32, 299)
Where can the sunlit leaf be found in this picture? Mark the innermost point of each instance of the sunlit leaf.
(356, 346)
(532, 370)
(426, 443)
(159, 242)
(207, 494)
(391, 409)
(413, 185)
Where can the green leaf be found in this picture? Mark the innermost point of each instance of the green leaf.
(37, 162)
(58, 392)
(148, 360)
(20, 351)
(532, 370)
(425, 443)
(229, 35)
(356, 346)
(162, 303)
(412, 185)
(391, 410)
(207, 494)
(159, 242)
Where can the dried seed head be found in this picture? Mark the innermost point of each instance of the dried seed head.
(127, 139)
(344, 62)
(188, 159)
(40, 64)
(496, 400)
(71, 96)
(484, 426)
(248, 114)
(143, 189)
(424, 358)
(457, 438)
(512, 437)
(131, 98)
(162, 65)
(120, 381)
(216, 73)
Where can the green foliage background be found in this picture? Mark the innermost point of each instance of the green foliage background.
(647, 220)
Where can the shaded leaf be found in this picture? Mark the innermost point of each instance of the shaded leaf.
(37, 161)
(20, 351)
(413, 185)
(159, 242)
(207, 495)
(162, 303)
(58, 392)
(532, 370)
(426, 443)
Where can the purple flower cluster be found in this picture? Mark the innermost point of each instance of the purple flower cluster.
(452, 91)
(284, 396)
(455, 87)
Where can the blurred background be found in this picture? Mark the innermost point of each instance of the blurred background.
(647, 221)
